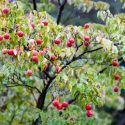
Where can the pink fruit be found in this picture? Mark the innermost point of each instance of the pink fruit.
(55, 103)
(59, 107)
(89, 113)
(4, 51)
(10, 52)
(57, 41)
(35, 59)
(65, 104)
(32, 25)
(34, 53)
(88, 107)
(20, 33)
(69, 44)
(116, 89)
(1, 37)
(45, 22)
(5, 10)
(71, 40)
(38, 41)
(29, 72)
(46, 66)
(115, 63)
(86, 26)
(6, 36)
(86, 38)
(117, 77)
(53, 57)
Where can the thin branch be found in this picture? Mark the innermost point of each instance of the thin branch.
(89, 51)
(24, 85)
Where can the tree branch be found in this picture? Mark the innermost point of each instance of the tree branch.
(61, 8)
(34, 5)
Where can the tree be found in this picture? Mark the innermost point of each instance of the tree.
(42, 62)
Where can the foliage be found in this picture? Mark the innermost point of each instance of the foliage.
(86, 72)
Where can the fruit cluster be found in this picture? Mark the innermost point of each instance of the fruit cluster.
(116, 76)
(89, 112)
(59, 105)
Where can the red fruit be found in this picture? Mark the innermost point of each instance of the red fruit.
(88, 107)
(59, 107)
(53, 57)
(38, 41)
(1, 37)
(86, 26)
(6, 36)
(34, 53)
(45, 22)
(29, 72)
(86, 43)
(10, 52)
(69, 44)
(86, 38)
(32, 25)
(4, 51)
(20, 33)
(89, 113)
(58, 69)
(41, 53)
(71, 40)
(35, 59)
(55, 103)
(115, 63)
(117, 77)
(57, 41)
(5, 10)
(46, 66)
(65, 104)
(116, 89)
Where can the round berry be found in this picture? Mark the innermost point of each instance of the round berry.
(89, 113)
(34, 53)
(1, 37)
(116, 89)
(46, 66)
(29, 72)
(88, 107)
(57, 41)
(69, 44)
(115, 63)
(35, 59)
(53, 57)
(117, 77)
(10, 52)
(6, 36)
(38, 41)
(32, 25)
(20, 33)
(71, 40)
(86, 43)
(45, 22)
(55, 103)
(5, 10)
(86, 38)
(65, 104)
(86, 26)
(58, 69)
(41, 53)
(4, 51)
(59, 107)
